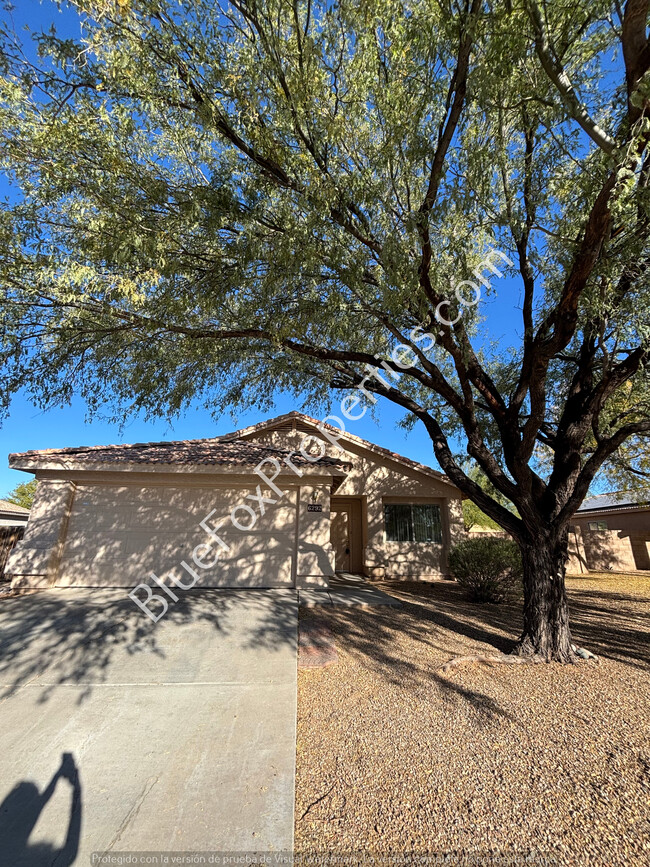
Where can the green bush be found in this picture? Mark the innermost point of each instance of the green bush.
(487, 568)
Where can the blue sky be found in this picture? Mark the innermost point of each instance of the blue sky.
(31, 428)
(28, 427)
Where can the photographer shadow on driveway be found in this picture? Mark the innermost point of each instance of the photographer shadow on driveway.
(20, 811)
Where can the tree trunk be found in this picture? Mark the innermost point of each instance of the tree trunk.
(546, 614)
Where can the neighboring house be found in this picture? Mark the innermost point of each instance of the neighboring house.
(12, 515)
(611, 532)
(13, 520)
(112, 515)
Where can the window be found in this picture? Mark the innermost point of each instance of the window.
(597, 525)
(412, 522)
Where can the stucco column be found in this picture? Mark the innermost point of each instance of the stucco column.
(34, 561)
(457, 531)
(315, 557)
(374, 557)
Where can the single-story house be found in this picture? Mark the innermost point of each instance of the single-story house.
(611, 532)
(284, 503)
(12, 515)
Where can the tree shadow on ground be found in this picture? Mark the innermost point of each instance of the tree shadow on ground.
(437, 618)
(74, 636)
(436, 615)
(612, 624)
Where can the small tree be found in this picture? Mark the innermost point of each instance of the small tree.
(23, 494)
(487, 568)
(475, 517)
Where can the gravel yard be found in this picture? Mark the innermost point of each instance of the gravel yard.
(394, 756)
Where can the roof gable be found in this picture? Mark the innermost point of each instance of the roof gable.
(307, 423)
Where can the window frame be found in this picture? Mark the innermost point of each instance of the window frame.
(437, 523)
(597, 525)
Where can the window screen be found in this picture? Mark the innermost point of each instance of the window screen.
(597, 525)
(399, 524)
(413, 522)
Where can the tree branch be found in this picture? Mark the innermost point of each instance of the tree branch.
(560, 79)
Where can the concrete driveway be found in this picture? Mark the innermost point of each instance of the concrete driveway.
(120, 735)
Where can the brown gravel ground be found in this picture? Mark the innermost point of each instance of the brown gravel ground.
(500, 760)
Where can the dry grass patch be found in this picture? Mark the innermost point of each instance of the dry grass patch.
(393, 755)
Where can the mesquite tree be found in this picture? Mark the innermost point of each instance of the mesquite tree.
(217, 200)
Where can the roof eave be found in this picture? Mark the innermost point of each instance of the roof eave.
(600, 510)
(33, 465)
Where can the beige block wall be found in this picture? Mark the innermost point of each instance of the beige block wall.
(640, 544)
(600, 551)
(376, 480)
(487, 533)
(630, 546)
(577, 562)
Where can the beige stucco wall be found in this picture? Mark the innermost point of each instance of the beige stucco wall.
(376, 479)
(35, 560)
(315, 556)
(628, 520)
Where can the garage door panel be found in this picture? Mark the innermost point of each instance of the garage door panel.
(266, 567)
(96, 518)
(276, 519)
(264, 560)
(118, 535)
(163, 547)
(117, 510)
(270, 571)
(126, 542)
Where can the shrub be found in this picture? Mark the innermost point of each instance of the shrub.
(487, 568)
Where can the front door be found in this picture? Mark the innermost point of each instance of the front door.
(340, 538)
(346, 534)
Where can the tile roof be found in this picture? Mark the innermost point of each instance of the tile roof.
(6, 506)
(235, 453)
(615, 500)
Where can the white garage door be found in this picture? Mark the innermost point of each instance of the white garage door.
(118, 535)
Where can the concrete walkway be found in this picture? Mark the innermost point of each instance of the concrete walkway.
(118, 734)
(347, 589)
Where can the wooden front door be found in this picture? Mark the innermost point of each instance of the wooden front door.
(345, 534)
